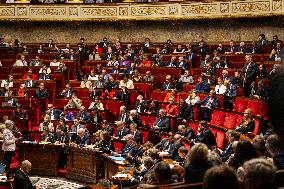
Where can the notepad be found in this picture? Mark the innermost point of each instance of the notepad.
(117, 158)
(120, 175)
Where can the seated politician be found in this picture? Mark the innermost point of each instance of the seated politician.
(21, 179)
(248, 122)
(205, 135)
(83, 138)
(104, 143)
(162, 123)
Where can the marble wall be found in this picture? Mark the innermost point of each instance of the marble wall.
(210, 30)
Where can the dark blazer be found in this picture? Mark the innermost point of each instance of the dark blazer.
(194, 173)
(188, 134)
(186, 112)
(166, 145)
(33, 84)
(123, 119)
(62, 138)
(202, 87)
(163, 123)
(135, 120)
(22, 181)
(141, 107)
(65, 94)
(137, 136)
(99, 118)
(131, 149)
(83, 116)
(250, 73)
(214, 104)
(168, 86)
(82, 141)
(42, 94)
(44, 77)
(56, 113)
(206, 137)
(121, 133)
(227, 152)
(125, 97)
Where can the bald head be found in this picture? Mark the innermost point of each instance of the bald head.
(26, 166)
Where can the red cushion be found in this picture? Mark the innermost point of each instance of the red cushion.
(62, 172)
(220, 139)
(146, 136)
(118, 146)
(257, 127)
(194, 127)
(254, 105)
(231, 120)
(240, 104)
(218, 118)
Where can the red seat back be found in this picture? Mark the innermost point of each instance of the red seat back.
(218, 118)
(240, 104)
(220, 139)
(231, 120)
(118, 146)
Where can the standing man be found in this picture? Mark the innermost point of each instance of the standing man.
(249, 71)
(42, 94)
(8, 146)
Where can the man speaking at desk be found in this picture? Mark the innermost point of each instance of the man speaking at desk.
(21, 179)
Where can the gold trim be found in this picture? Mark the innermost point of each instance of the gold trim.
(172, 11)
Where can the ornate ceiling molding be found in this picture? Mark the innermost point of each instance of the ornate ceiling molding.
(157, 11)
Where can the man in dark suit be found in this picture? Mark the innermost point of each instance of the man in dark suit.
(134, 118)
(191, 56)
(83, 138)
(42, 94)
(44, 75)
(166, 145)
(21, 180)
(83, 115)
(186, 132)
(231, 136)
(29, 82)
(249, 73)
(209, 104)
(136, 133)
(123, 115)
(54, 114)
(106, 127)
(130, 148)
(231, 49)
(121, 131)
(162, 123)
(185, 111)
(168, 84)
(67, 92)
(205, 135)
(202, 86)
(141, 105)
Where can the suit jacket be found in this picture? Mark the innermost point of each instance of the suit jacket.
(125, 97)
(20, 115)
(36, 63)
(99, 118)
(44, 77)
(121, 133)
(244, 50)
(30, 84)
(42, 94)
(56, 114)
(188, 134)
(137, 136)
(123, 118)
(227, 152)
(68, 93)
(135, 120)
(22, 181)
(202, 87)
(142, 106)
(210, 105)
(163, 123)
(231, 49)
(250, 73)
(166, 145)
(62, 138)
(68, 117)
(168, 86)
(186, 112)
(83, 116)
(206, 137)
(82, 141)
(131, 149)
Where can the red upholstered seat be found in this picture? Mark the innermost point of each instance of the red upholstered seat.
(218, 118)
(240, 119)
(220, 139)
(240, 104)
(152, 120)
(144, 87)
(196, 113)
(257, 127)
(146, 136)
(62, 172)
(231, 120)
(145, 119)
(118, 146)
(254, 106)
(158, 95)
(113, 106)
(194, 126)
